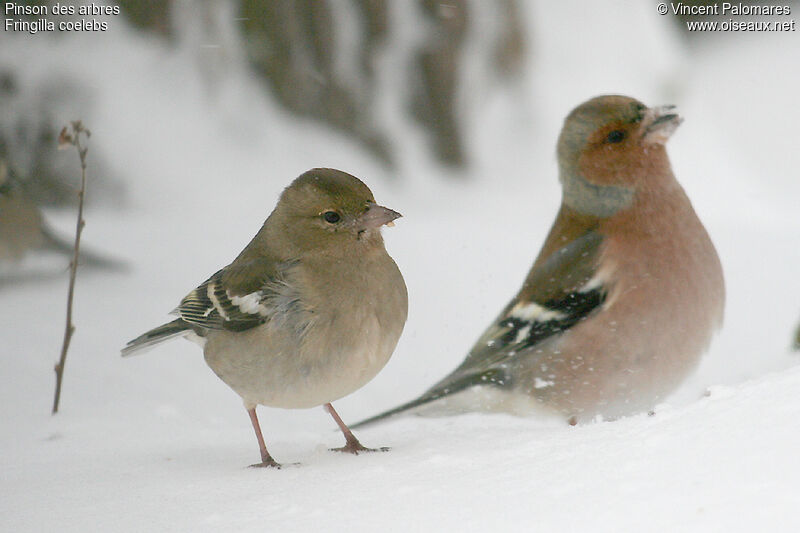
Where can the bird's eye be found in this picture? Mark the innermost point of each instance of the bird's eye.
(331, 217)
(616, 136)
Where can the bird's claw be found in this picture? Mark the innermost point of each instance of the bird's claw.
(269, 463)
(356, 447)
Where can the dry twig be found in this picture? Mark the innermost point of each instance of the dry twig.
(66, 139)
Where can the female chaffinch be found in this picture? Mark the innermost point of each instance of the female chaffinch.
(309, 311)
(24, 231)
(625, 294)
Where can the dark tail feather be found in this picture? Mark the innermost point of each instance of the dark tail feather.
(170, 330)
(446, 387)
(422, 400)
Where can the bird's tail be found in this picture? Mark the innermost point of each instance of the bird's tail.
(170, 330)
(446, 387)
(422, 400)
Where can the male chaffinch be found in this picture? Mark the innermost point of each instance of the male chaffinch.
(23, 229)
(625, 294)
(309, 311)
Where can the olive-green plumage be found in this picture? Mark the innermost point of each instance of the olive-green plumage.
(309, 311)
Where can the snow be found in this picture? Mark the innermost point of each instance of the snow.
(158, 443)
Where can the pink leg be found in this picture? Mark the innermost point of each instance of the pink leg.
(266, 458)
(352, 445)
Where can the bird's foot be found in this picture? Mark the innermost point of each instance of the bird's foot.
(267, 463)
(356, 447)
(352, 446)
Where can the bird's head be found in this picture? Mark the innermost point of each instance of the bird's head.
(328, 208)
(610, 147)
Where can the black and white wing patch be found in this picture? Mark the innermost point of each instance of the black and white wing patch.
(528, 323)
(212, 306)
(525, 323)
(521, 325)
(561, 290)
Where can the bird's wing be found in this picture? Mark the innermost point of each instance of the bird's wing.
(559, 292)
(562, 288)
(241, 296)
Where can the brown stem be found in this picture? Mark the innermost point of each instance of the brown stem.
(77, 129)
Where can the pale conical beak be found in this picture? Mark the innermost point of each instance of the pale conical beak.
(660, 123)
(376, 216)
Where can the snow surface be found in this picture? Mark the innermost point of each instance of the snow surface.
(158, 443)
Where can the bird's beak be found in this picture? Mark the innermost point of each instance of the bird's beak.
(376, 216)
(660, 123)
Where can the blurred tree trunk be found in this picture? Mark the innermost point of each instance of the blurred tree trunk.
(293, 45)
(152, 15)
(320, 59)
(438, 63)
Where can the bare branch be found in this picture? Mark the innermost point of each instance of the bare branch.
(65, 139)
